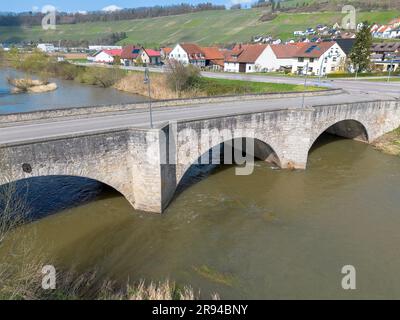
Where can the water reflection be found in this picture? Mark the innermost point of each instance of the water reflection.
(274, 234)
(69, 94)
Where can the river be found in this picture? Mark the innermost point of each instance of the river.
(271, 235)
(69, 94)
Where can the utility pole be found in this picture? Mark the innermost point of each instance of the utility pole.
(305, 87)
(147, 81)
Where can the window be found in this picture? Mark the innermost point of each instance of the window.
(311, 60)
(334, 59)
(310, 69)
(301, 60)
(249, 68)
(333, 69)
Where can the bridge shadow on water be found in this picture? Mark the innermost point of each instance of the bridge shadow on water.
(44, 196)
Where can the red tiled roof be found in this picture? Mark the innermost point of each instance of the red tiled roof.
(313, 50)
(212, 53)
(152, 53)
(285, 51)
(130, 52)
(303, 50)
(114, 52)
(193, 50)
(251, 53)
(167, 51)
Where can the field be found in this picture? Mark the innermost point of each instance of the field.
(209, 27)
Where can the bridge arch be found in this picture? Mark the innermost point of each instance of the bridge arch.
(12, 180)
(216, 154)
(348, 128)
(44, 195)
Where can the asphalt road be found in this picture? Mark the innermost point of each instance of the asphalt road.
(355, 91)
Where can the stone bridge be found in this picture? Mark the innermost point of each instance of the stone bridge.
(147, 165)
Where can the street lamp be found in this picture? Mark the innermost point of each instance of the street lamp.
(147, 81)
(305, 86)
(357, 69)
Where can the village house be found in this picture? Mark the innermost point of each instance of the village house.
(318, 58)
(165, 52)
(107, 56)
(129, 55)
(202, 57)
(188, 53)
(280, 57)
(46, 47)
(150, 57)
(246, 58)
(386, 55)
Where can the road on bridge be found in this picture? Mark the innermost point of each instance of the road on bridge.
(354, 91)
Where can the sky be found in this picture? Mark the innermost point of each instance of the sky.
(86, 5)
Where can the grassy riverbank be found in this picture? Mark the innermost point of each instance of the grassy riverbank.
(163, 86)
(389, 143)
(203, 87)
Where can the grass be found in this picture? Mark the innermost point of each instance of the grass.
(205, 87)
(216, 87)
(210, 27)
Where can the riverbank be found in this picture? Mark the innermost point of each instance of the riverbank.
(204, 87)
(389, 143)
(163, 86)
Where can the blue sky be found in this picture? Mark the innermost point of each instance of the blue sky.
(81, 5)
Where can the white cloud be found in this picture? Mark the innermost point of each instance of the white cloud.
(83, 12)
(35, 8)
(112, 8)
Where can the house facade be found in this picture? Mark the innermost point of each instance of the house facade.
(202, 57)
(107, 56)
(247, 59)
(280, 57)
(318, 58)
(188, 53)
(150, 57)
(129, 55)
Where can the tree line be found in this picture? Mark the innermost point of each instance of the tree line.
(35, 18)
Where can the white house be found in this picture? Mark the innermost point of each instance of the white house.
(280, 56)
(107, 56)
(202, 57)
(188, 53)
(248, 58)
(46, 47)
(318, 58)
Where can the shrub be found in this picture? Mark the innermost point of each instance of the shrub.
(182, 78)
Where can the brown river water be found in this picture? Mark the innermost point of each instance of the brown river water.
(271, 235)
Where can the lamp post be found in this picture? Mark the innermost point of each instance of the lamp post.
(357, 67)
(147, 81)
(305, 86)
(390, 69)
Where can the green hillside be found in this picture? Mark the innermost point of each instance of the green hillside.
(208, 27)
